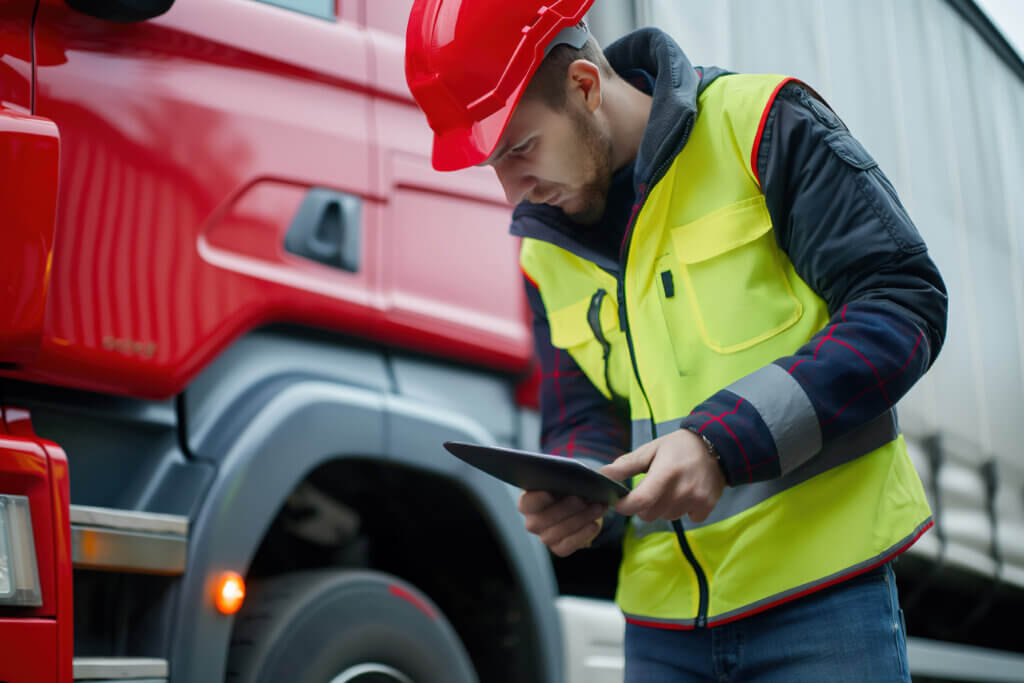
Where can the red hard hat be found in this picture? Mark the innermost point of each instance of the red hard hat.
(468, 62)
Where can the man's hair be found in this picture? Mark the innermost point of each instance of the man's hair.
(549, 82)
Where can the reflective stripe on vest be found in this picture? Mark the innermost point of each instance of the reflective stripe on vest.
(711, 301)
(736, 499)
(796, 592)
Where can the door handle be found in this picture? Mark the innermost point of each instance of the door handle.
(327, 228)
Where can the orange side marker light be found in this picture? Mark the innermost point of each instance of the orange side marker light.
(230, 593)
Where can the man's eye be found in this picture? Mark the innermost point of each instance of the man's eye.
(523, 148)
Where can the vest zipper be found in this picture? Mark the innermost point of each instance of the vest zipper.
(702, 579)
(624, 324)
(684, 544)
(594, 320)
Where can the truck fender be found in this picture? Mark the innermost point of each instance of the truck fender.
(305, 424)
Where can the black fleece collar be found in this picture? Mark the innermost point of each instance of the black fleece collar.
(674, 105)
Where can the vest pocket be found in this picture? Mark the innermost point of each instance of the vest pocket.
(589, 331)
(732, 278)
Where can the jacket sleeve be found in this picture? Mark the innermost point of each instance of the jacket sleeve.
(838, 218)
(577, 421)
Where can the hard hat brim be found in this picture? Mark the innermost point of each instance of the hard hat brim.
(460, 148)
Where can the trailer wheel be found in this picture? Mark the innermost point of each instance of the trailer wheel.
(341, 626)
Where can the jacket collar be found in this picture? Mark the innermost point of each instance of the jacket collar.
(674, 103)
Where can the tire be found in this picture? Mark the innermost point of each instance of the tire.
(341, 626)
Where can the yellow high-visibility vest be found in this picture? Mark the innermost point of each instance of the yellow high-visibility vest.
(709, 299)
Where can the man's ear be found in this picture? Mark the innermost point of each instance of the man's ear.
(584, 83)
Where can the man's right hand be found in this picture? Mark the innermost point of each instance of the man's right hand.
(564, 525)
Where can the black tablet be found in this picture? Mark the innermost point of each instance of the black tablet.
(537, 472)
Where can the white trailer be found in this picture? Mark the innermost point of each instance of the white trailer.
(936, 94)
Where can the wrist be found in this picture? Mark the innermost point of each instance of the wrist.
(711, 451)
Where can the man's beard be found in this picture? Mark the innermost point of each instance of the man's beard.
(597, 151)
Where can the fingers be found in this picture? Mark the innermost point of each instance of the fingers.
(669, 491)
(564, 525)
(574, 541)
(681, 480)
(642, 501)
(629, 464)
(561, 519)
(647, 500)
(701, 512)
(534, 501)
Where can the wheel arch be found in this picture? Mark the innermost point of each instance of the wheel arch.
(304, 424)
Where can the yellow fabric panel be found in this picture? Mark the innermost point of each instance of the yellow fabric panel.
(620, 369)
(738, 303)
(567, 284)
(562, 277)
(728, 228)
(569, 325)
(655, 579)
(838, 519)
(731, 256)
(819, 528)
(730, 111)
(570, 330)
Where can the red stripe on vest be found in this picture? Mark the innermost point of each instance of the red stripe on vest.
(760, 127)
(528, 278)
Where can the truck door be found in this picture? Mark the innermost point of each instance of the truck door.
(28, 163)
(192, 142)
(452, 278)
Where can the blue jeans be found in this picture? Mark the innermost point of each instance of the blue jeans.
(853, 632)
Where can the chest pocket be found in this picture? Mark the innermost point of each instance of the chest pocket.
(589, 331)
(731, 281)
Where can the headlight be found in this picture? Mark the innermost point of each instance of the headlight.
(19, 577)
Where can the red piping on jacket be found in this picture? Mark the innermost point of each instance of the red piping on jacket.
(760, 127)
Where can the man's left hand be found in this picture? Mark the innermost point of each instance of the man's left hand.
(683, 478)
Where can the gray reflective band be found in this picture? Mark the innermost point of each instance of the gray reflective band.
(642, 528)
(736, 499)
(656, 623)
(826, 581)
(642, 431)
(786, 410)
(792, 593)
(575, 35)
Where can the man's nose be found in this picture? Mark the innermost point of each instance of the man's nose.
(517, 186)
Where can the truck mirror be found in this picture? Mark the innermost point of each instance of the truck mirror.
(122, 11)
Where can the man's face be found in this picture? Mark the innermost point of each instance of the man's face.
(562, 158)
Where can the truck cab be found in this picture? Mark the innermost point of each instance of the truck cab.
(243, 316)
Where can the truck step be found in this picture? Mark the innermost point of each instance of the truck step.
(120, 669)
(128, 541)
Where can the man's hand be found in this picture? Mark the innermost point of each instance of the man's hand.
(682, 478)
(564, 525)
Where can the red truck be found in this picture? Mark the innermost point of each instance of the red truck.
(240, 316)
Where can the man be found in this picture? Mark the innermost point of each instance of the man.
(718, 268)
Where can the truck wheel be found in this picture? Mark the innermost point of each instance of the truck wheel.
(343, 626)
